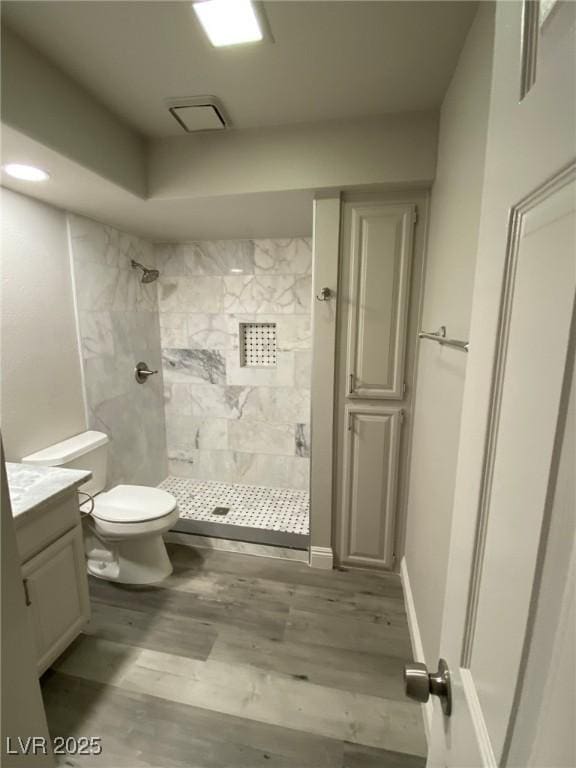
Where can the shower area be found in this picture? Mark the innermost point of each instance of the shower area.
(224, 424)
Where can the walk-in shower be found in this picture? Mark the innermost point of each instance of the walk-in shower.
(225, 424)
(235, 327)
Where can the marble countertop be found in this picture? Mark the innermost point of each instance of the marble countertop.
(31, 485)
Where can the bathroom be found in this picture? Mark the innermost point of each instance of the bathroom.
(248, 353)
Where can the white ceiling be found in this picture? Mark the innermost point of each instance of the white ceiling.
(329, 61)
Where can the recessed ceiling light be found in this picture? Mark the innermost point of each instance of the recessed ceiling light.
(25, 172)
(229, 22)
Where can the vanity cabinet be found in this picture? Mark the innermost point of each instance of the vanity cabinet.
(48, 528)
(57, 598)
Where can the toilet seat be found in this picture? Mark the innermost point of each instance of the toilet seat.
(133, 504)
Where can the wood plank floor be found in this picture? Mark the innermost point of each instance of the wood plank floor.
(241, 661)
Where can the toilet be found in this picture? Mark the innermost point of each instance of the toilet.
(123, 531)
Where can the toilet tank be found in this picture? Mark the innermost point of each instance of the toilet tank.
(88, 450)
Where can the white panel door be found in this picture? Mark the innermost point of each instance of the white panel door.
(511, 485)
(379, 293)
(57, 595)
(381, 255)
(371, 453)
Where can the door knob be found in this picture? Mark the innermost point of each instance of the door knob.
(419, 684)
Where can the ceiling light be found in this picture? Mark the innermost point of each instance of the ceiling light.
(25, 172)
(229, 22)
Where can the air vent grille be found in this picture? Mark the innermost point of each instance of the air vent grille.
(200, 113)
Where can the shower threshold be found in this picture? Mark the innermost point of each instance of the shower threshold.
(252, 513)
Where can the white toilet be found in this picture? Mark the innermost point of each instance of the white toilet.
(123, 534)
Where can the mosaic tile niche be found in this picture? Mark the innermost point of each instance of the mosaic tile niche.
(228, 418)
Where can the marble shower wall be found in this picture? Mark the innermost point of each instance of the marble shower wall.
(224, 421)
(118, 325)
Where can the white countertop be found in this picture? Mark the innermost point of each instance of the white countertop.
(31, 485)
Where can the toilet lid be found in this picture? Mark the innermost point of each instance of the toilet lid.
(133, 504)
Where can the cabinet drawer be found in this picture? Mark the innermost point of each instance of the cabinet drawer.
(40, 527)
(57, 595)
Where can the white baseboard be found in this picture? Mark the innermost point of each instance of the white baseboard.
(321, 557)
(416, 639)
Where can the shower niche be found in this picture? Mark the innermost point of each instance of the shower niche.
(258, 345)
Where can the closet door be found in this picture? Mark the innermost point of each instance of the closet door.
(380, 256)
(371, 450)
(374, 304)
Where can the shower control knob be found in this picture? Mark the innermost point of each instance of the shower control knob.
(419, 684)
(142, 372)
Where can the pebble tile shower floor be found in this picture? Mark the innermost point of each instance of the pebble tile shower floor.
(280, 510)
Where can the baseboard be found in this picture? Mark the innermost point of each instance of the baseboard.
(321, 557)
(415, 639)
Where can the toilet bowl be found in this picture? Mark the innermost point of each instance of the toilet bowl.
(123, 527)
(123, 534)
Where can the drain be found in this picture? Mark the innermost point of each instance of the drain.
(221, 511)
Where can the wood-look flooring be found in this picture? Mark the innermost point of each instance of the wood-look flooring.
(241, 661)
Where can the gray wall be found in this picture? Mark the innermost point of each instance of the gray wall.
(118, 327)
(451, 259)
(41, 374)
(391, 149)
(226, 421)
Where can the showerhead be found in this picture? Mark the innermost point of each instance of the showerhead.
(148, 275)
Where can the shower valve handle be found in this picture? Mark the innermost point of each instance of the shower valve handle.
(141, 373)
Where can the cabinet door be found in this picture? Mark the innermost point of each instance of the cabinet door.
(57, 595)
(379, 293)
(371, 453)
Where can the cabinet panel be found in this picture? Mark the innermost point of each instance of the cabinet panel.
(371, 453)
(57, 595)
(380, 253)
(40, 527)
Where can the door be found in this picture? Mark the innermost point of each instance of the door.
(379, 240)
(378, 279)
(371, 454)
(57, 595)
(507, 636)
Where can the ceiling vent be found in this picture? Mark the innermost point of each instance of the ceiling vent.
(199, 113)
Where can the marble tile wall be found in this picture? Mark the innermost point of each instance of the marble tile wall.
(224, 421)
(119, 326)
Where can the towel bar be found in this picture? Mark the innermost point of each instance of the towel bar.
(440, 337)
